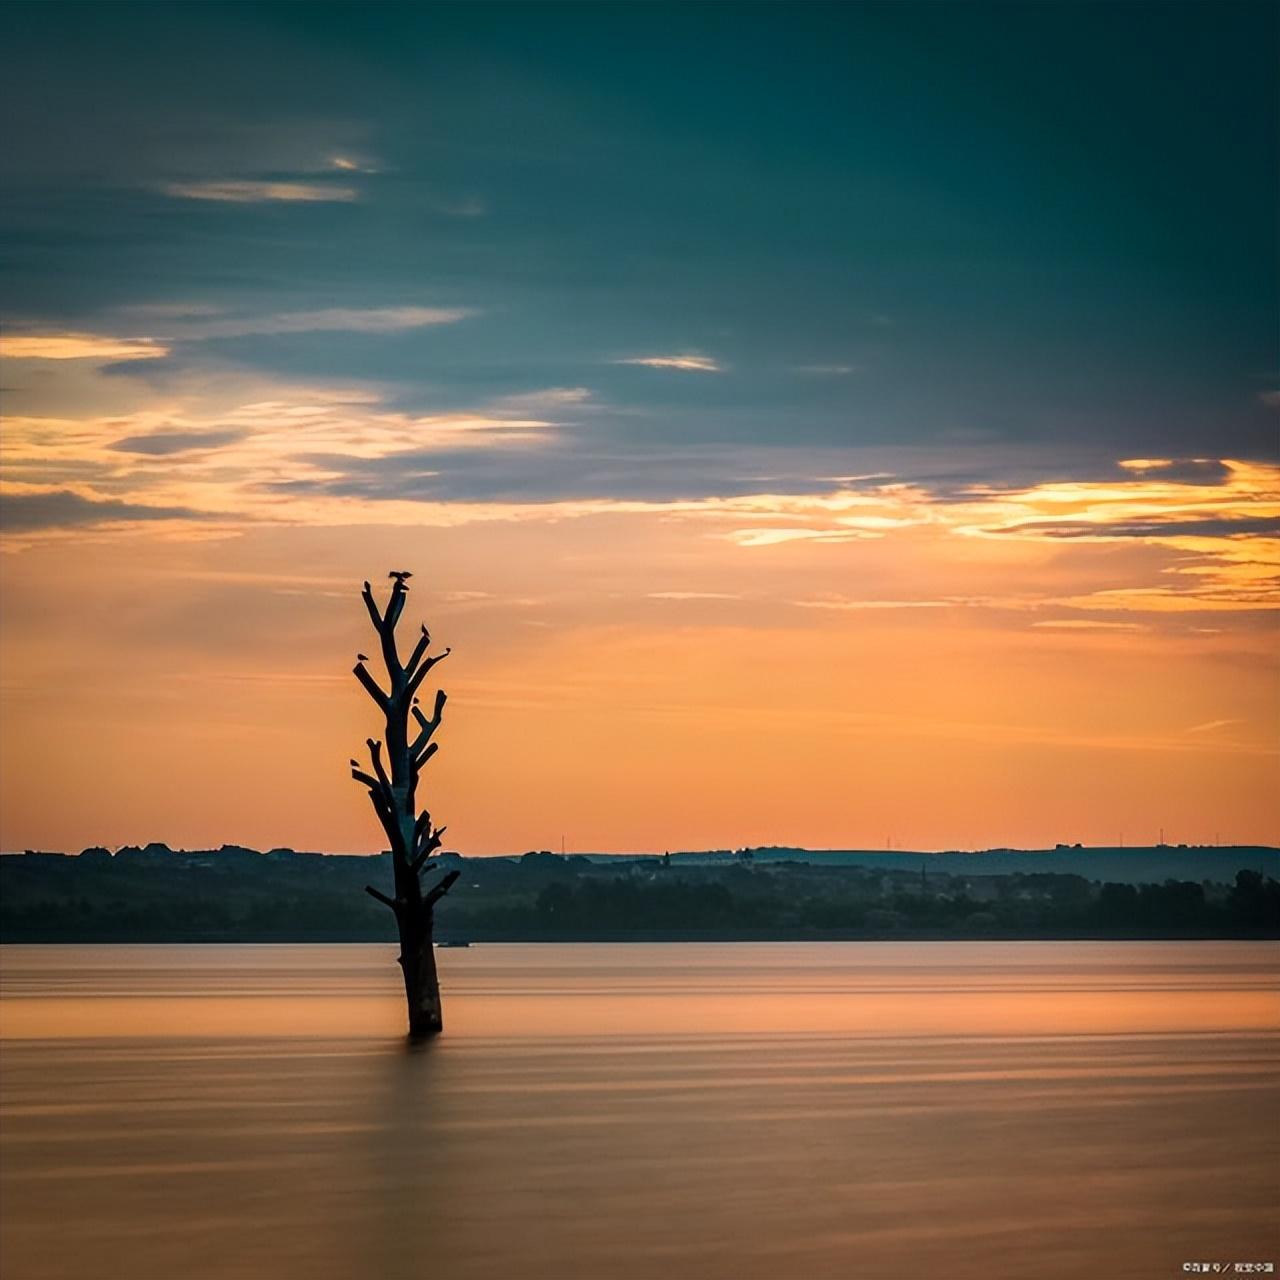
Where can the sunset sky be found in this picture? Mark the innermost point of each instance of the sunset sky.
(814, 425)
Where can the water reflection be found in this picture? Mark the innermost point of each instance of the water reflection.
(637, 1112)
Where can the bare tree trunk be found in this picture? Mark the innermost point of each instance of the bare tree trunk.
(413, 839)
(421, 983)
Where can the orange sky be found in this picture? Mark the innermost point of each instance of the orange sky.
(822, 424)
(872, 661)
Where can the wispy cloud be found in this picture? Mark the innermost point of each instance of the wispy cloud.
(687, 363)
(693, 595)
(193, 324)
(162, 444)
(773, 537)
(1086, 624)
(328, 319)
(30, 512)
(1223, 599)
(546, 400)
(241, 458)
(1178, 470)
(352, 164)
(1210, 725)
(248, 192)
(841, 602)
(1160, 539)
(79, 346)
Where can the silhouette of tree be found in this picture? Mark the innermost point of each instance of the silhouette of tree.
(392, 787)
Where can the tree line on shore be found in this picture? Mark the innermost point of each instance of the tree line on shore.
(238, 895)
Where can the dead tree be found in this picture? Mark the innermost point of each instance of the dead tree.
(392, 784)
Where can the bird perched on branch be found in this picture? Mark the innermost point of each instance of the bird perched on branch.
(400, 575)
(362, 657)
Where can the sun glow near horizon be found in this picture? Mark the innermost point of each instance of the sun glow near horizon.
(937, 669)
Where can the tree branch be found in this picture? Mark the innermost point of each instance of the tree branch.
(381, 897)
(428, 727)
(427, 847)
(440, 890)
(372, 687)
(426, 666)
(375, 754)
(418, 650)
(420, 828)
(386, 815)
(369, 603)
(419, 761)
(395, 606)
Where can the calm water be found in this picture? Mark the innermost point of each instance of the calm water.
(647, 1112)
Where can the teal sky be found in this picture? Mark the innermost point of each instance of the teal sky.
(1029, 240)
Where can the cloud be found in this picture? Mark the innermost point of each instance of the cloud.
(1225, 526)
(1155, 537)
(826, 370)
(1215, 520)
(328, 320)
(79, 346)
(839, 602)
(352, 164)
(1225, 599)
(1087, 624)
(245, 192)
(688, 363)
(189, 322)
(164, 443)
(1177, 470)
(1210, 725)
(547, 400)
(168, 311)
(772, 537)
(61, 508)
(692, 595)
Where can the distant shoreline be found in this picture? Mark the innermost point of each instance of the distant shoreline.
(626, 940)
(236, 895)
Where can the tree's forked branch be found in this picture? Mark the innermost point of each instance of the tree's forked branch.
(419, 649)
(382, 806)
(425, 848)
(375, 754)
(385, 625)
(428, 727)
(426, 666)
(440, 890)
(395, 606)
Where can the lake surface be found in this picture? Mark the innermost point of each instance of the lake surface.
(646, 1112)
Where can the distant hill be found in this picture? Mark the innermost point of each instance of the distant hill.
(1149, 865)
(153, 893)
